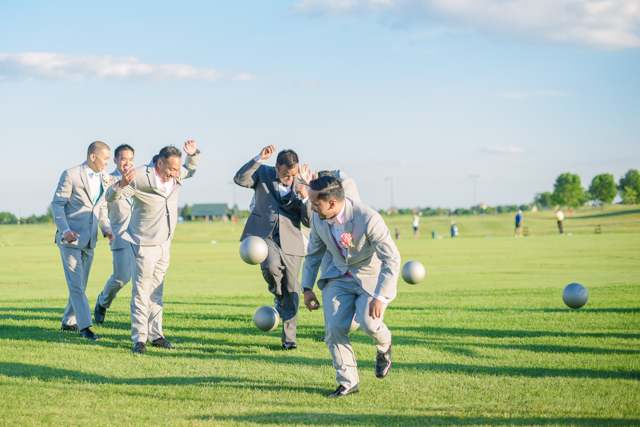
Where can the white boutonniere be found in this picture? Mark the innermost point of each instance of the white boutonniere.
(105, 180)
(179, 178)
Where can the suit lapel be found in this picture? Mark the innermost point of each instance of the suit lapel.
(151, 177)
(84, 177)
(327, 230)
(276, 187)
(348, 221)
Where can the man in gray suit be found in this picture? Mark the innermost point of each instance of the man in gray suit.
(280, 207)
(154, 189)
(78, 209)
(361, 279)
(119, 216)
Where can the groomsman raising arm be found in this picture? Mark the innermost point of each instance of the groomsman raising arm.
(154, 189)
(361, 279)
(78, 209)
(281, 205)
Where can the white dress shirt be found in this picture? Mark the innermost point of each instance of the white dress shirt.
(94, 183)
(165, 187)
(336, 224)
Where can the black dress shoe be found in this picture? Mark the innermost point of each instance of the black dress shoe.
(383, 363)
(88, 334)
(139, 348)
(342, 391)
(324, 339)
(289, 345)
(99, 312)
(162, 342)
(69, 328)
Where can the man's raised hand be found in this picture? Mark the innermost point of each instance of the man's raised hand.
(128, 177)
(190, 147)
(305, 173)
(311, 301)
(267, 152)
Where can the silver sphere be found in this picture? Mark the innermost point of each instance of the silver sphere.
(354, 325)
(266, 318)
(413, 272)
(575, 295)
(253, 250)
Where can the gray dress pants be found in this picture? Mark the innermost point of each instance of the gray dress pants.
(149, 268)
(122, 265)
(341, 299)
(281, 271)
(77, 265)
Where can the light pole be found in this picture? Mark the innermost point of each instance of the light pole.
(473, 178)
(391, 179)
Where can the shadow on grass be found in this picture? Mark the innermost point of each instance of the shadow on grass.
(324, 419)
(531, 310)
(501, 333)
(604, 215)
(46, 373)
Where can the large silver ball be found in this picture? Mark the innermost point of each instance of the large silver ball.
(253, 250)
(413, 272)
(266, 318)
(575, 295)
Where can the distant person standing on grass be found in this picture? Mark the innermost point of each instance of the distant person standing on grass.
(519, 224)
(416, 224)
(454, 229)
(560, 218)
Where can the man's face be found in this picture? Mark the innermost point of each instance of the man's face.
(325, 209)
(124, 161)
(169, 168)
(99, 160)
(286, 175)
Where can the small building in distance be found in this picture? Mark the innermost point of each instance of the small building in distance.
(209, 211)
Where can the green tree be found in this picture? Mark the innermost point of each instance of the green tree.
(567, 191)
(629, 196)
(186, 212)
(631, 180)
(603, 188)
(545, 200)
(7, 218)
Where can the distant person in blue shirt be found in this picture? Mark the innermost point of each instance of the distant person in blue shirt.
(519, 224)
(454, 229)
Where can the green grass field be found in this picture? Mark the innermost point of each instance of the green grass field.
(485, 339)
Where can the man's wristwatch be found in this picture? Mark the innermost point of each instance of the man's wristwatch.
(306, 289)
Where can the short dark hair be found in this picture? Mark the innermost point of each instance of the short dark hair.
(328, 188)
(166, 152)
(96, 146)
(123, 147)
(289, 158)
(327, 173)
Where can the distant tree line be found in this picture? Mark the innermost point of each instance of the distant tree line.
(568, 191)
(9, 218)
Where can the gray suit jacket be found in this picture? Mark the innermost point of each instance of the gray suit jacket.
(119, 216)
(272, 210)
(374, 261)
(154, 217)
(349, 185)
(72, 207)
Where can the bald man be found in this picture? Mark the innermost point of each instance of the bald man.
(79, 208)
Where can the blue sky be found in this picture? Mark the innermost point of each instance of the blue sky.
(426, 91)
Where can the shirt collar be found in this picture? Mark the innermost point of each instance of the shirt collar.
(339, 219)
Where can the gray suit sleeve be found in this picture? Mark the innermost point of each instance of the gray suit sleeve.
(60, 199)
(380, 238)
(247, 176)
(115, 193)
(350, 187)
(190, 164)
(313, 258)
(306, 214)
(103, 218)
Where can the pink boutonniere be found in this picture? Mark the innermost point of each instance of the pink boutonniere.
(346, 239)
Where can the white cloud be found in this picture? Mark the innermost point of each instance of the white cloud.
(504, 150)
(70, 67)
(246, 77)
(308, 83)
(603, 24)
(538, 94)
